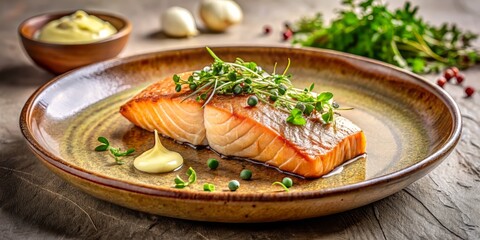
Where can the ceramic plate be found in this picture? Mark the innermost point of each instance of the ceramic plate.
(410, 125)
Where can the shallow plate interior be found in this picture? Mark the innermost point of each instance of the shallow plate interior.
(405, 119)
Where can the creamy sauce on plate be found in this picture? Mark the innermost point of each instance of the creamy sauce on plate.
(158, 159)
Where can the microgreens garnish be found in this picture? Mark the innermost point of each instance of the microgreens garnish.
(246, 78)
(192, 177)
(296, 117)
(286, 183)
(208, 187)
(281, 184)
(116, 152)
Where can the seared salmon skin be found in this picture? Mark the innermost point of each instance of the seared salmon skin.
(232, 128)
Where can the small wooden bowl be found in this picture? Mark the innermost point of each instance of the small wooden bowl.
(59, 58)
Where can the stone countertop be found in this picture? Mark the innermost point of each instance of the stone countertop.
(36, 204)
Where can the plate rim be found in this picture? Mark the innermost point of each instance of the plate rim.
(425, 163)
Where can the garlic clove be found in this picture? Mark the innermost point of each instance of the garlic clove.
(218, 15)
(178, 22)
(234, 12)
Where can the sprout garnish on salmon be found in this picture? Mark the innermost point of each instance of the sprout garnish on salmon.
(247, 78)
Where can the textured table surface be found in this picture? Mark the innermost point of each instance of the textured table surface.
(36, 204)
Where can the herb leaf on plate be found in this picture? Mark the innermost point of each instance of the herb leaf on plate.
(192, 178)
(117, 153)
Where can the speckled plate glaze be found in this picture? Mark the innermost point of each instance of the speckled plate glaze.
(410, 125)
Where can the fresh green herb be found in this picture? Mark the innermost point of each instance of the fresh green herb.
(212, 163)
(296, 117)
(233, 185)
(178, 88)
(208, 187)
(192, 177)
(399, 37)
(281, 184)
(288, 182)
(116, 152)
(246, 78)
(246, 174)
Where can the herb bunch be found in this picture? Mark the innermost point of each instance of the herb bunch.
(117, 153)
(397, 37)
(246, 78)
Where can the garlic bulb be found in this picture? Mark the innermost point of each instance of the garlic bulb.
(218, 15)
(178, 22)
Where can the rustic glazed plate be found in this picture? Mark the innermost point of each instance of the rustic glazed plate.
(410, 125)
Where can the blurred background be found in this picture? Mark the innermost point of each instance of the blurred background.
(145, 16)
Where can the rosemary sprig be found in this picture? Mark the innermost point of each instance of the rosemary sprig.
(246, 78)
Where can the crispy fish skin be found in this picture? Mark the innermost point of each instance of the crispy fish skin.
(232, 128)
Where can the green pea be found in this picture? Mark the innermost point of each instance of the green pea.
(252, 101)
(246, 174)
(233, 185)
(212, 163)
(288, 182)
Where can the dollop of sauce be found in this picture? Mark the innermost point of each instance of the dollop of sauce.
(79, 27)
(158, 159)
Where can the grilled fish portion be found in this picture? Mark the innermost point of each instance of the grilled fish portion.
(160, 107)
(230, 127)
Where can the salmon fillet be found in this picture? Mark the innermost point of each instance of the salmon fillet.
(232, 128)
(160, 107)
